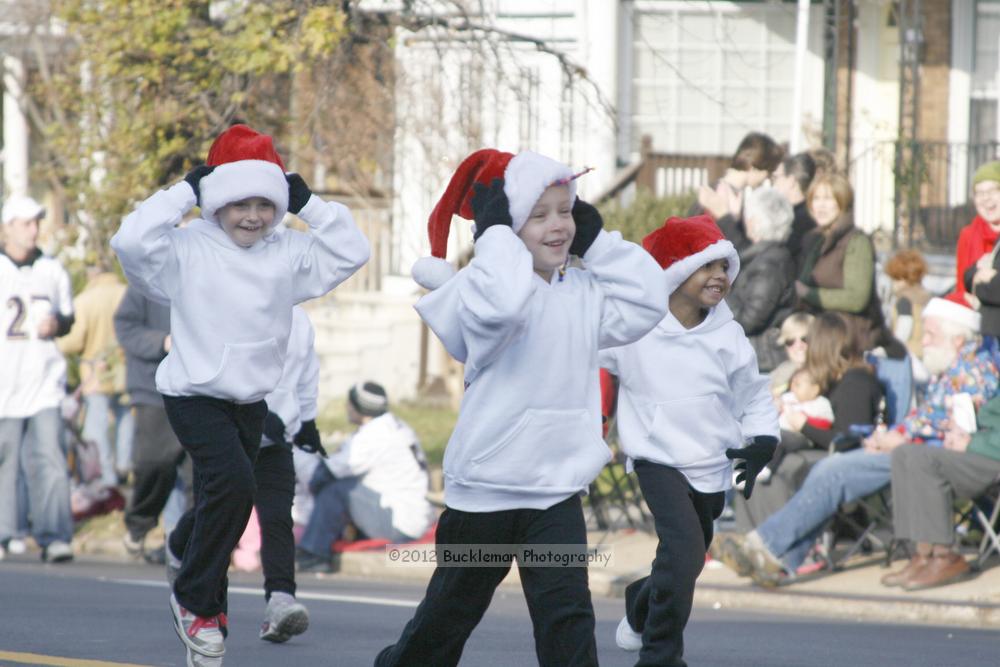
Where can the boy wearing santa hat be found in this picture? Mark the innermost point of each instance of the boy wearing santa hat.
(231, 279)
(528, 438)
(689, 395)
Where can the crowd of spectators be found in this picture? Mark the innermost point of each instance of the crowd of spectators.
(807, 298)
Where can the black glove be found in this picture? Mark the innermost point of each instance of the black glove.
(753, 458)
(193, 178)
(321, 477)
(588, 226)
(307, 439)
(490, 206)
(274, 429)
(298, 192)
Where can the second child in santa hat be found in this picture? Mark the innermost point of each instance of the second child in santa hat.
(689, 397)
(231, 278)
(527, 442)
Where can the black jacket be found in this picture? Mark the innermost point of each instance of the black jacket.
(141, 326)
(761, 298)
(989, 299)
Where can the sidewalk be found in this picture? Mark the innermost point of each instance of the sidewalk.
(854, 593)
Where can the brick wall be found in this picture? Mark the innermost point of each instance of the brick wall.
(934, 71)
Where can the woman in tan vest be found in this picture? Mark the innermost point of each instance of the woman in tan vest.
(838, 273)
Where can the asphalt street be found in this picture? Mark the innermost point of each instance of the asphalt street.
(107, 614)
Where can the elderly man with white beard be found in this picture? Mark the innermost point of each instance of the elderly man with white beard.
(957, 364)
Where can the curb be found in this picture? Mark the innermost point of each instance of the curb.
(962, 613)
(981, 614)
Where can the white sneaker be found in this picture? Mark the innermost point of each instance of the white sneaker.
(284, 618)
(57, 552)
(16, 546)
(199, 634)
(134, 547)
(627, 638)
(195, 659)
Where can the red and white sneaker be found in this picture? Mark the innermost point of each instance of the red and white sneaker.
(204, 636)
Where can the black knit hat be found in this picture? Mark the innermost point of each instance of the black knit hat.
(368, 398)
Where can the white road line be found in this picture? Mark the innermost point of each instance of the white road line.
(304, 595)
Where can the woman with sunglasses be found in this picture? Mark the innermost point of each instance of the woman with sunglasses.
(793, 337)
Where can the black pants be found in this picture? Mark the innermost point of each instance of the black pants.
(155, 455)
(275, 475)
(659, 605)
(222, 439)
(457, 597)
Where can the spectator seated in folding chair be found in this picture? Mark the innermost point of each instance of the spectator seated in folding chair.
(834, 359)
(925, 483)
(868, 520)
(952, 354)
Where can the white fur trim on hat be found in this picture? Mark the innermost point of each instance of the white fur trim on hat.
(20, 207)
(234, 181)
(952, 312)
(527, 176)
(683, 269)
(432, 272)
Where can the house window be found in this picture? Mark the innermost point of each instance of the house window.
(705, 74)
(983, 105)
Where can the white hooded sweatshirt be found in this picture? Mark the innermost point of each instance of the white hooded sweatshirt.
(687, 395)
(231, 307)
(529, 430)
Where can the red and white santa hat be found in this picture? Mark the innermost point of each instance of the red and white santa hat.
(526, 176)
(246, 165)
(684, 245)
(951, 311)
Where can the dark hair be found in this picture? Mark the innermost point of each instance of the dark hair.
(368, 398)
(757, 151)
(802, 168)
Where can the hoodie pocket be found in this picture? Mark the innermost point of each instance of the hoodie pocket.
(557, 449)
(693, 430)
(248, 371)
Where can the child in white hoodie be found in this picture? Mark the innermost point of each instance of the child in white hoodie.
(231, 279)
(689, 396)
(528, 438)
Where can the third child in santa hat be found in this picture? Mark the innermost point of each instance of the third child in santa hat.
(231, 279)
(689, 396)
(528, 440)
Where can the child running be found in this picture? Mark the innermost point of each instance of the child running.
(231, 279)
(528, 438)
(689, 394)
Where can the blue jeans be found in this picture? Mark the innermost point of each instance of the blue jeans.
(36, 441)
(790, 532)
(96, 424)
(347, 500)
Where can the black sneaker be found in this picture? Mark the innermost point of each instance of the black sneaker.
(157, 556)
(310, 562)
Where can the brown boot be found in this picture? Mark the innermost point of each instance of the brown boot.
(900, 577)
(940, 570)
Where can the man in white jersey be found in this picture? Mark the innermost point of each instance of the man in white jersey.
(36, 305)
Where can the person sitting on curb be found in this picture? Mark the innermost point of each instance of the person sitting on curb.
(957, 364)
(377, 480)
(925, 483)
